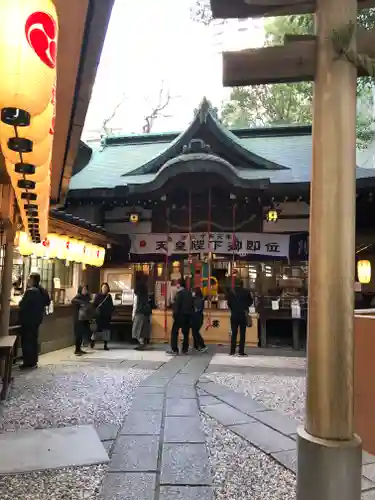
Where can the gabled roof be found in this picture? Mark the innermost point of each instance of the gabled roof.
(277, 158)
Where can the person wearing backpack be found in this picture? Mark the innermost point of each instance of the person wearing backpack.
(197, 320)
(83, 313)
(239, 300)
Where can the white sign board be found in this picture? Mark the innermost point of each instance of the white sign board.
(242, 244)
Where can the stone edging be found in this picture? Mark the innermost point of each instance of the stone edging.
(268, 430)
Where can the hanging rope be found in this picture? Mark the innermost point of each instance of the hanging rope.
(166, 273)
(209, 224)
(189, 245)
(234, 244)
(342, 41)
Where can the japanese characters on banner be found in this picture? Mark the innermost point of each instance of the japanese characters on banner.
(273, 245)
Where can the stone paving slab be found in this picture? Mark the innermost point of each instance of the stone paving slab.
(181, 391)
(142, 423)
(369, 495)
(278, 421)
(185, 464)
(367, 458)
(129, 486)
(38, 450)
(184, 379)
(242, 403)
(135, 454)
(183, 430)
(182, 408)
(107, 432)
(287, 458)
(368, 471)
(366, 484)
(226, 415)
(149, 403)
(154, 381)
(214, 389)
(108, 446)
(264, 438)
(186, 493)
(149, 390)
(208, 400)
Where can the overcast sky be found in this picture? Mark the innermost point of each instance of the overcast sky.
(152, 44)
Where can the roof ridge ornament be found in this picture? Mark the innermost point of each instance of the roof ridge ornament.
(196, 146)
(204, 110)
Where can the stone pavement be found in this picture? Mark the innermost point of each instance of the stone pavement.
(268, 430)
(177, 434)
(160, 451)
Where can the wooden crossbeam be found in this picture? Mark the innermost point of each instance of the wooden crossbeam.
(292, 62)
(227, 9)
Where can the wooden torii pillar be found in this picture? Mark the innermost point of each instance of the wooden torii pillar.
(329, 452)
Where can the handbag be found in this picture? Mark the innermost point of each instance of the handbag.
(249, 321)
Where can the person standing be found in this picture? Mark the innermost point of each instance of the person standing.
(182, 313)
(83, 313)
(239, 301)
(31, 313)
(103, 305)
(197, 320)
(141, 314)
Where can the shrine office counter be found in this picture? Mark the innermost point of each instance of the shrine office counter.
(218, 331)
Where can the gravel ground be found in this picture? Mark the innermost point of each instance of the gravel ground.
(65, 484)
(58, 396)
(241, 472)
(278, 392)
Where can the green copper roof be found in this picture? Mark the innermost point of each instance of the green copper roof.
(282, 155)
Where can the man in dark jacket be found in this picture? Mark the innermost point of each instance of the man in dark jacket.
(182, 312)
(31, 313)
(239, 301)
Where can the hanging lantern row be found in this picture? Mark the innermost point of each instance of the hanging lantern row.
(28, 48)
(56, 246)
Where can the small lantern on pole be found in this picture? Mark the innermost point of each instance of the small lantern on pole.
(364, 271)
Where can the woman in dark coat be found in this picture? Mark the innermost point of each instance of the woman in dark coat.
(197, 320)
(82, 315)
(103, 305)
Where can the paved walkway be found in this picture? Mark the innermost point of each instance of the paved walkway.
(160, 451)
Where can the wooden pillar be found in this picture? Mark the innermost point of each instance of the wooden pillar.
(329, 454)
(6, 282)
(7, 214)
(332, 232)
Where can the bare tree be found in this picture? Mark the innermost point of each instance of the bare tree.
(107, 130)
(164, 100)
(200, 12)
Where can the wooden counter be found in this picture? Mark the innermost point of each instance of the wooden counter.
(364, 376)
(56, 331)
(217, 333)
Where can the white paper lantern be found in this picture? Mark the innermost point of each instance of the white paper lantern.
(28, 49)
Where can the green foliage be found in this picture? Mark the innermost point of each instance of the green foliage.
(291, 104)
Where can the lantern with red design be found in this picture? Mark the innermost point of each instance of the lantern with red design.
(28, 47)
